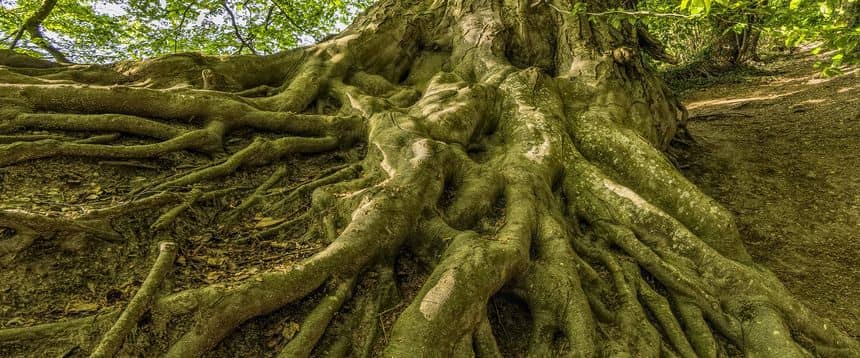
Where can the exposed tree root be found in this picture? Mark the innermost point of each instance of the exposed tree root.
(112, 340)
(93, 122)
(257, 195)
(168, 217)
(317, 321)
(505, 150)
(259, 152)
(59, 329)
(49, 226)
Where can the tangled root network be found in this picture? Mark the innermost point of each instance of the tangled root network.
(511, 150)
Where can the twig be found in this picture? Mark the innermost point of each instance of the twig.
(236, 28)
(113, 339)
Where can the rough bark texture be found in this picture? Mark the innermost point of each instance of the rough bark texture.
(511, 150)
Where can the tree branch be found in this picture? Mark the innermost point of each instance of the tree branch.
(238, 33)
(33, 26)
(181, 24)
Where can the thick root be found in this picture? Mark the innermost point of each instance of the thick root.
(499, 160)
(114, 337)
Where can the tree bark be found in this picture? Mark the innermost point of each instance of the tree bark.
(511, 150)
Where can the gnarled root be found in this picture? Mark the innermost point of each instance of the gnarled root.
(499, 160)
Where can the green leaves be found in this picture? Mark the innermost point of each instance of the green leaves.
(696, 6)
(794, 4)
(579, 8)
(833, 23)
(111, 30)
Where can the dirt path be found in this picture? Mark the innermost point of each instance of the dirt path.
(783, 153)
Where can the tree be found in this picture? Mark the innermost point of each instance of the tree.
(103, 31)
(736, 41)
(508, 148)
(33, 26)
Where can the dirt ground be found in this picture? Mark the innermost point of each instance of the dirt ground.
(782, 151)
(68, 277)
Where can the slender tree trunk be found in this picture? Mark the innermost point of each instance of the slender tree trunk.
(509, 150)
(731, 49)
(33, 26)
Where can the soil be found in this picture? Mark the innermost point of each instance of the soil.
(782, 151)
(71, 276)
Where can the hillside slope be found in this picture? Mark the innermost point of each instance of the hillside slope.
(783, 153)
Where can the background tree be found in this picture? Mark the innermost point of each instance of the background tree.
(474, 151)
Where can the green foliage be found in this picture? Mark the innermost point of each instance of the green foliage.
(111, 30)
(830, 25)
(689, 28)
(834, 24)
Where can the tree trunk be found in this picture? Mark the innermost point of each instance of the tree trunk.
(731, 49)
(509, 150)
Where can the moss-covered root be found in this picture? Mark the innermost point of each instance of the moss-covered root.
(113, 339)
(744, 303)
(380, 221)
(453, 300)
(649, 174)
(48, 226)
(205, 139)
(555, 296)
(317, 321)
(77, 330)
(126, 124)
(336, 175)
(257, 195)
(259, 152)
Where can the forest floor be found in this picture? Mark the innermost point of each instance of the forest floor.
(782, 152)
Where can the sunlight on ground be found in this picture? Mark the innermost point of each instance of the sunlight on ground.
(731, 100)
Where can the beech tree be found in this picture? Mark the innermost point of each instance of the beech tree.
(508, 148)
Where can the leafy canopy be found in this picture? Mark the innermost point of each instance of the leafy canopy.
(111, 30)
